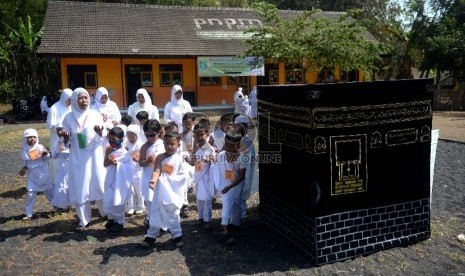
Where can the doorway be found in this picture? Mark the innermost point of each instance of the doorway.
(134, 74)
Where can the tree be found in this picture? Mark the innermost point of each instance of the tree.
(311, 40)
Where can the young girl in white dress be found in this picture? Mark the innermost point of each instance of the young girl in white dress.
(35, 157)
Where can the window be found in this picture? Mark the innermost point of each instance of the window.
(210, 81)
(82, 76)
(325, 75)
(90, 80)
(170, 74)
(294, 74)
(232, 80)
(273, 75)
(349, 76)
(146, 78)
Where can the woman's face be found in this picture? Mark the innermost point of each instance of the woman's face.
(68, 102)
(178, 95)
(104, 99)
(83, 101)
(141, 99)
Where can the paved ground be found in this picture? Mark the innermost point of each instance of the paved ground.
(451, 125)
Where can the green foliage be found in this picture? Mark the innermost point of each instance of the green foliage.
(312, 40)
(7, 91)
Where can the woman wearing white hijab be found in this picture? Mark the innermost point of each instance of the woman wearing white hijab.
(83, 127)
(54, 118)
(143, 103)
(106, 107)
(176, 107)
(238, 97)
(44, 105)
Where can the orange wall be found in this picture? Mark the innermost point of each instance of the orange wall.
(111, 75)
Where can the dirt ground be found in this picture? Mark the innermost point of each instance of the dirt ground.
(48, 245)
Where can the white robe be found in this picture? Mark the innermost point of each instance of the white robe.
(157, 148)
(205, 187)
(169, 194)
(151, 109)
(61, 193)
(119, 178)
(175, 109)
(110, 109)
(253, 103)
(86, 171)
(38, 175)
(54, 119)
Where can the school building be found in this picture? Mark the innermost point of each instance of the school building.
(124, 47)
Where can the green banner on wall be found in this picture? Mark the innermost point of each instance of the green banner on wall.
(230, 66)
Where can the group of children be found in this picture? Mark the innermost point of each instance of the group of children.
(151, 167)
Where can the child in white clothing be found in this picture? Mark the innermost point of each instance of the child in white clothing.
(118, 180)
(229, 173)
(216, 138)
(205, 188)
(168, 182)
(133, 145)
(35, 157)
(148, 153)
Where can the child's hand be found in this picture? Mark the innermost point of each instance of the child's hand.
(152, 159)
(65, 135)
(23, 171)
(112, 161)
(151, 184)
(98, 130)
(135, 156)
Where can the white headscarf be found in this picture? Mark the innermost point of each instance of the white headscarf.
(148, 100)
(133, 128)
(98, 96)
(65, 95)
(28, 133)
(79, 114)
(175, 89)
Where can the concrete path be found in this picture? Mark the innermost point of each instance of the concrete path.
(451, 125)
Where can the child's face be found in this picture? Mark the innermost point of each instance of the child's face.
(132, 137)
(187, 124)
(231, 147)
(31, 140)
(225, 126)
(115, 142)
(171, 144)
(152, 136)
(142, 121)
(200, 137)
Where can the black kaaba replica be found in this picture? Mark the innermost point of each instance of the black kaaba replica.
(345, 167)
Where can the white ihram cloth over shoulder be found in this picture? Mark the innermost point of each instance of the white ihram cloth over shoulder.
(203, 173)
(219, 174)
(118, 178)
(86, 174)
(155, 149)
(38, 176)
(175, 109)
(151, 109)
(110, 108)
(169, 194)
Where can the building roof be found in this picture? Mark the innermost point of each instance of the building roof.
(116, 29)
